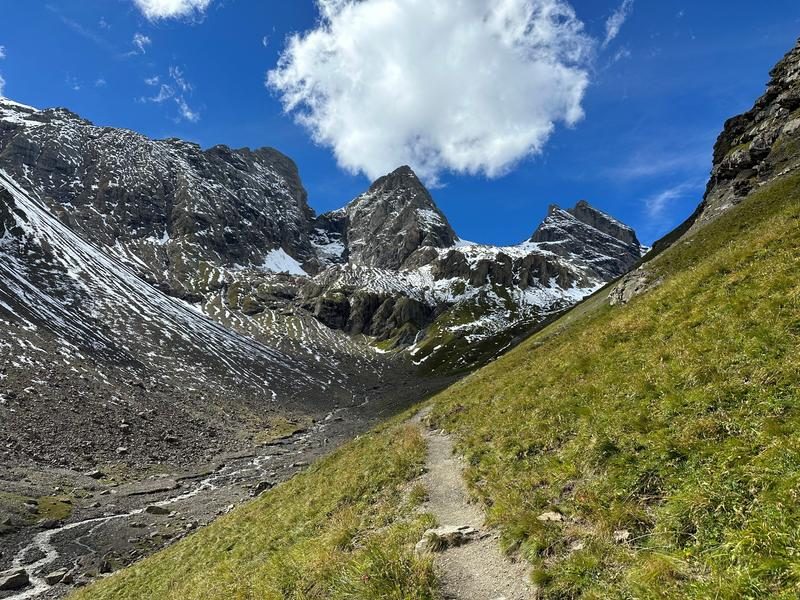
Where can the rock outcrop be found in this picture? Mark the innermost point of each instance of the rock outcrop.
(754, 149)
(759, 145)
(164, 206)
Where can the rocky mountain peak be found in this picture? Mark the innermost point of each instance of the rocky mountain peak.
(402, 178)
(590, 235)
(392, 220)
(586, 213)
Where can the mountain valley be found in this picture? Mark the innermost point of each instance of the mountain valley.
(180, 329)
(641, 445)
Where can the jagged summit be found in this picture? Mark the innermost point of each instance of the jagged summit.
(594, 217)
(589, 235)
(396, 217)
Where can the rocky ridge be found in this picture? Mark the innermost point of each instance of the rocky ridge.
(753, 150)
(230, 232)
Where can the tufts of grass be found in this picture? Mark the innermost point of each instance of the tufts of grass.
(345, 529)
(54, 508)
(667, 431)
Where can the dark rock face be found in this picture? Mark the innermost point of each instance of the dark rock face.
(16, 579)
(167, 203)
(591, 236)
(753, 149)
(391, 221)
(759, 145)
(604, 223)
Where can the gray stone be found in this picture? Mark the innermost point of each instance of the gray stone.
(262, 487)
(55, 577)
(157, 510)
(15, 579)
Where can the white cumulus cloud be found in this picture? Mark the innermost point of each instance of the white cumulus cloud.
(617, 20)
(171, 9)
(2, 52)
(468, 86)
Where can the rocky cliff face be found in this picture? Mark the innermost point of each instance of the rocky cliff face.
(386, 225)
(163, 207)
(754, 149)
(589, 235)
(759, 145)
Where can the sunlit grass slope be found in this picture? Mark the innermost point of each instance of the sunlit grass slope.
(667, 432)
(345, 529)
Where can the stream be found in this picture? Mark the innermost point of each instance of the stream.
(241, 474)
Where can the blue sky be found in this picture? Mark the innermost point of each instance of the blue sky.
(657, 96)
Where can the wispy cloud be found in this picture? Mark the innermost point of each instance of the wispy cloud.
(2, 81)
(100, 82)
(657, 204)
(186, 111)
(176, 89)
(178, 78)
(622, 54)
(82, 31)
(694, 158)
(103, 23)
(73, 83)
(617, 20)
(141, 42)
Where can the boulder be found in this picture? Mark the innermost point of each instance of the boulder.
(154, 509)
(261, 487)
(550, 516)
(55, 577)
(16, 579)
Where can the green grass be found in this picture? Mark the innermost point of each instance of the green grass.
(675, 419)
(55, 508)
(344, 530)
(666, 432)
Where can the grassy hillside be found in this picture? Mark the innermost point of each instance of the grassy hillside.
(673, 422)
(340, 531)
(667, 433)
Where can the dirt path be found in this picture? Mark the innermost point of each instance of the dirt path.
(476, 570)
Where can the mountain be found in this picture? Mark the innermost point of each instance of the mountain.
(407, 281)
(77, 323)
(174, 318)
(643, 445)
(230, 232)
(396, 217)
